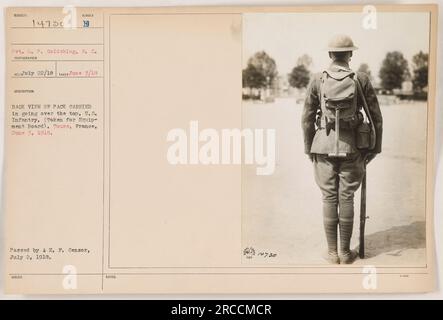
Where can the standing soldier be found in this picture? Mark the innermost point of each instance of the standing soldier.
(342, 128)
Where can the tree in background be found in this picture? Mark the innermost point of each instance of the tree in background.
(262, 65)
(299, 76)
(364, 67)
(253, 78)
(394, 70)
(304, 60)
(420, 71)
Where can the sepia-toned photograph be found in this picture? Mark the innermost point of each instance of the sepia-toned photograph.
(221, 150)
(347, 96)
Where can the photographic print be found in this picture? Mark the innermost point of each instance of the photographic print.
(302, 71)
(220, 149)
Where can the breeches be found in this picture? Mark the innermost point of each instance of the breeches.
(338, 179)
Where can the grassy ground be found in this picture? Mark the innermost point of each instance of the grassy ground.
(282, 212)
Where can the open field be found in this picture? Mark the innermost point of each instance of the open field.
(282, 212)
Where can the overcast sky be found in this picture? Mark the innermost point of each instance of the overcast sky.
(287, 36)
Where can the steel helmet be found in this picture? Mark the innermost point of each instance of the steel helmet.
(341, 43)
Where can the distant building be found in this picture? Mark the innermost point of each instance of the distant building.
(281, 86)
(407, 89)
(407, 86)
(379, 89)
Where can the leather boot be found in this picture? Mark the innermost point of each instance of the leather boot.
(346, 224)
(330, 223)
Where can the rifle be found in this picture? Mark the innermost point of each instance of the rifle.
(363, 216)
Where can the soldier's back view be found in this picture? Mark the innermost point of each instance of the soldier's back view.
(342, 127)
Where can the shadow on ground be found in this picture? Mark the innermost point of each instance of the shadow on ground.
(395, 240)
